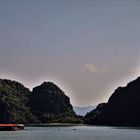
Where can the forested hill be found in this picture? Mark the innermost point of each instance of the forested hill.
(50, 104)
(14, 103)
(46, 103)
(122, 108)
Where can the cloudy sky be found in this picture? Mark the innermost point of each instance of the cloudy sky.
(88, 48)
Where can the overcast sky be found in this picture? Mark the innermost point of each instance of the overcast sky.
(88, 48)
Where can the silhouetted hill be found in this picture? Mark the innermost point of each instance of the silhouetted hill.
(14, 105)
(50, 104)
(122, 108)
(47, 103)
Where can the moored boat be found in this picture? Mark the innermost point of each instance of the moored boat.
(11, 127)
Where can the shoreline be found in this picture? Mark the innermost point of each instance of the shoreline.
(54, 125)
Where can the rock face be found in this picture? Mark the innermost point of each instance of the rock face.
(50, 104)
(14, 105)
(122, 108)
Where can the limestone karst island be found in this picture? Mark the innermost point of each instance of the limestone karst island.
(47, 103)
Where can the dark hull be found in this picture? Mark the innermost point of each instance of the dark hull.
(7, 128)
(11, 128)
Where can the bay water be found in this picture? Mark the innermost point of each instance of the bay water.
(72, 133)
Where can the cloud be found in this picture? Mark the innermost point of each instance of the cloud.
(94, 69)
(91, 68)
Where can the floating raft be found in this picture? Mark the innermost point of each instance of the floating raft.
(11, 127)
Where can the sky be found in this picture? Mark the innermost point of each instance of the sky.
(87, 47)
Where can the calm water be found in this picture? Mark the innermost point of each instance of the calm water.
(72, 133)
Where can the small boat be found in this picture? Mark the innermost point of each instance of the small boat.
(11, 127)
(20, 126)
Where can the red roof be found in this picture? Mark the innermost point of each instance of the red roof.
(8, 124)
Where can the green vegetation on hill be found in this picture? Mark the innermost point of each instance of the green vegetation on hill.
(50, 104)
(14, 105)
(47, 103)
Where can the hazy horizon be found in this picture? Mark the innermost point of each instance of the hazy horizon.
(88, 48)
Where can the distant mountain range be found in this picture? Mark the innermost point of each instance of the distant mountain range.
(82, 111)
